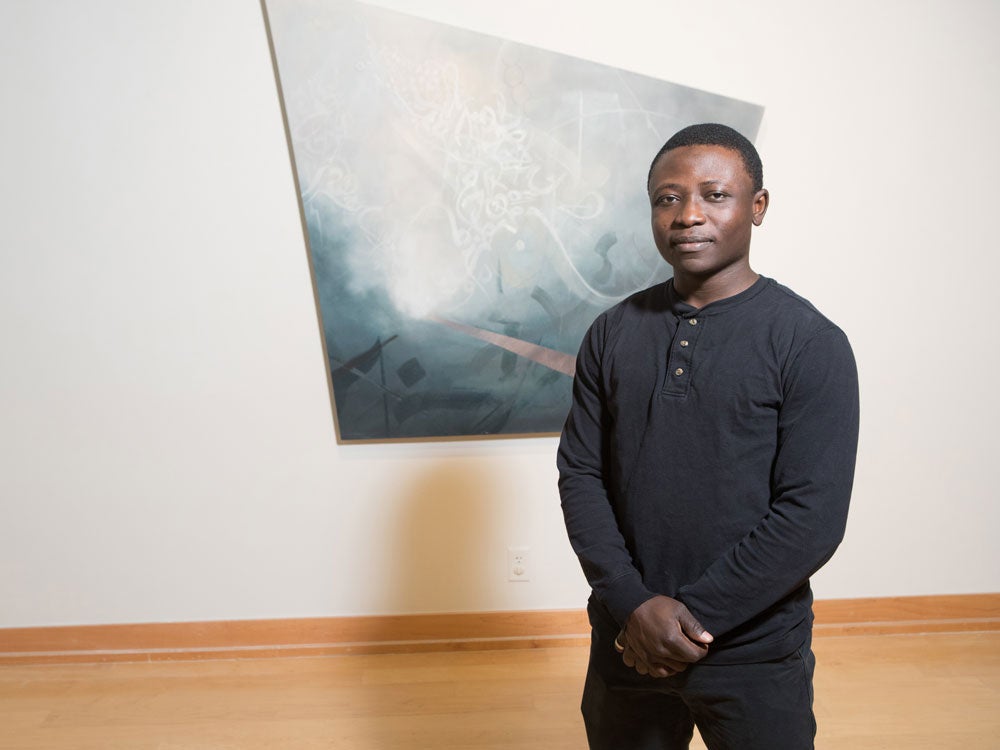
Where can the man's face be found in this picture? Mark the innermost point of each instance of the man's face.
(703, 207)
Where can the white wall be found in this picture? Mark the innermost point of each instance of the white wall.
(167, 450)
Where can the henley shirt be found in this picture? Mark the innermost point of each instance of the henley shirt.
(709, 456)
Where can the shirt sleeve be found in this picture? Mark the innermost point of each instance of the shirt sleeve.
(810, 492)
(583, 470)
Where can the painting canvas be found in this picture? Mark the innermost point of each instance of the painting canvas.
(471, 205)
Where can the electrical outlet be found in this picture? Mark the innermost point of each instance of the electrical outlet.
(518, 564)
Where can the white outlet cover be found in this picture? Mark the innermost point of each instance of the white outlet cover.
(518, 564)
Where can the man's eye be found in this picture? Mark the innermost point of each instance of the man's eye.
(716, 196)
(664, 200)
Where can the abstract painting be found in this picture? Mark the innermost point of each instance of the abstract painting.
(471, 205)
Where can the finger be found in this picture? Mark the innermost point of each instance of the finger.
(676, 646)
(673, 666)
(635, 654)
(685, 650)
(692, 628)
(632, 659)
(661, 671)
(667, 668)
(620, 642)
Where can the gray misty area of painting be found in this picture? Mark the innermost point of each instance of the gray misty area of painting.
(472, 205)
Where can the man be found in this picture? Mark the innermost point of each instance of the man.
(705, 472)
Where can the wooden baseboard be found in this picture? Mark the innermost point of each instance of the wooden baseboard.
(329, 636)
(900, 615)
(321, 636)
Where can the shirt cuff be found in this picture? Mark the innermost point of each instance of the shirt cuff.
(624, 596)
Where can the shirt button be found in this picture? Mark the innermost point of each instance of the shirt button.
(684, 343)
(693, 322)
(679, 371)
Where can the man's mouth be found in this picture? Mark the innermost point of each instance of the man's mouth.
(690, 240)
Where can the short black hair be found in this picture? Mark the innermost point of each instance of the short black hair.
(715, 134)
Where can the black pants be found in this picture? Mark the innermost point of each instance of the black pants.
(735, 706)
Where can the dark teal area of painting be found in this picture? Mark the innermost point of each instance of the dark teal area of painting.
(398, 377)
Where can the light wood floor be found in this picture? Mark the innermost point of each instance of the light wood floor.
(915, 691)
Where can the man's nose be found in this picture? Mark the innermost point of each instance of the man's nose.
(690, 213)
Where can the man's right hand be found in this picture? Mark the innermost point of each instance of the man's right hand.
(661, 638)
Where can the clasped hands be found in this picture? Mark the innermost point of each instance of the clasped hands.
(662, 638)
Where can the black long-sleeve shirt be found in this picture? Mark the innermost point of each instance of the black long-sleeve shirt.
(709, 456)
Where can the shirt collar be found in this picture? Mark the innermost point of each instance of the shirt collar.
(683, 309)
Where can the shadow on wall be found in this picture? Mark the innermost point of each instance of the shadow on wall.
(438, 557)
(444, 554)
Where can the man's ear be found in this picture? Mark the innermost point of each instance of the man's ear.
(761, 200)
